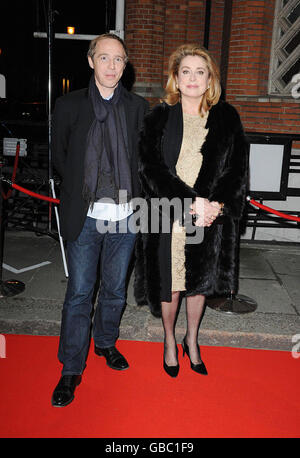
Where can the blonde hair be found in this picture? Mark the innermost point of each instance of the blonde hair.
(211, 95)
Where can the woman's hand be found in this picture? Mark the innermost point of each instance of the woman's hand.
(205, 210)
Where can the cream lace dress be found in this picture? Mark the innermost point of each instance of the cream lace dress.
(187, 168)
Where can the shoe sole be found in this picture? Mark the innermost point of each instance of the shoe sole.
(62, 405)
(109, 365)
(117, 368)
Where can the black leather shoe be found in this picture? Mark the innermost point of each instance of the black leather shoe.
(64, 391)
(114, 359)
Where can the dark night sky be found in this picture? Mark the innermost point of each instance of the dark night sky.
(24, 59)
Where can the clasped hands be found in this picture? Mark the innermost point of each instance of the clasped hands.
(205, 211)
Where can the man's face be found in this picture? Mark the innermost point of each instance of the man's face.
(108, 64)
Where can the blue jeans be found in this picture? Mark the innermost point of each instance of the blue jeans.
(114, 250)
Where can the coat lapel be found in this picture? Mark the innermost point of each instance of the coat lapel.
(172, 138)
(129, 117)
(213, 151)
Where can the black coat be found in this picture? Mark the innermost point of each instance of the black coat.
(72, 118)
(211, 266)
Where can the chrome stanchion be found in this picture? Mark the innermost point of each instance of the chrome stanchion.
(232, 304)
(58, 229)
(8, 287)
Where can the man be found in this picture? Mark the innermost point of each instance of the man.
(95, 136)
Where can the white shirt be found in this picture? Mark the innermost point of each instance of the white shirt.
(110, 212)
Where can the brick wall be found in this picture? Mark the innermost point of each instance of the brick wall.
(155, 28)
(248, 71)
(184, 23)
(144, 34)
(216, 29)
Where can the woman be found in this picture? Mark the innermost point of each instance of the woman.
(192, 147)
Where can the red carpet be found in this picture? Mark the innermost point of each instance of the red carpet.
(248, 393)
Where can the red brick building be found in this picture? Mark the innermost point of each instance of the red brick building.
(255, 42)
(240, 38)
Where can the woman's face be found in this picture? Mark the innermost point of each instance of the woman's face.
(193, 77)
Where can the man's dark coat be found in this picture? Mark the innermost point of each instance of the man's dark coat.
(211, 266)
(72, 118)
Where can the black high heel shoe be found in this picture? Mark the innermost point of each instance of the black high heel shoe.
(200, 367)
(172, 371)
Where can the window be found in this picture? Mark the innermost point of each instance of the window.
(285, 54)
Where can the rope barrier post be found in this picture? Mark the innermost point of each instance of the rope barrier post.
(50, 88)
(8, 287)
(255, 220)
(1, 219)
(233, 303)
(58, 228)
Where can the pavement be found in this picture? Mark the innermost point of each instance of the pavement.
(269, 277)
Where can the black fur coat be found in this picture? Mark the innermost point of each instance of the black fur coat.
(212, 265)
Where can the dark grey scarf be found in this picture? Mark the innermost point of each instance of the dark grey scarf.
(106, 167)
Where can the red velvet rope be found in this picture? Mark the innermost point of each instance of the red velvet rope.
(275, 212)
(34, 194)
(57, 201)
(19, 188)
